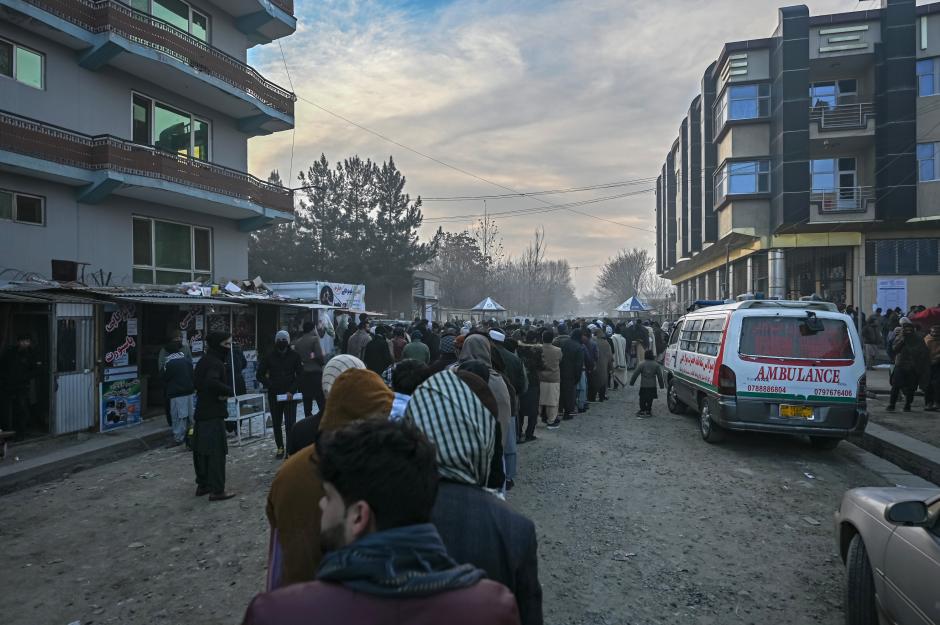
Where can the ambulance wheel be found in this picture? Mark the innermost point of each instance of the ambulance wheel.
(711, 431)
(824, 442)
(673, 402)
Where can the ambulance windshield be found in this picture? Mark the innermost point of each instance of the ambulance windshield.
(781, 337)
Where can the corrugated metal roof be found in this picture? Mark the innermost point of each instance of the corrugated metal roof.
(174, 300)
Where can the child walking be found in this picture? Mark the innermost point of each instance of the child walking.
(650, 373)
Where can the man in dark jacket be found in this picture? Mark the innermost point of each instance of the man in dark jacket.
(572, 365)
(911, 365)
(312, 360)
(448, 353)
(385, 562)
(378, 354)
(18, 367)
(178, 387)
(475, 526)
(280, 373)
(432, 338)
(209, 444)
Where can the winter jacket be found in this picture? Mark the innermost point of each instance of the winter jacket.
(433, 341)
(483, 530)
(279, 371)
(211, 388)
(514, 369)
(650, 374)
(178, 375)
(933, 348)
(310, 351)
(357, 343)
(551, 359)
(871, 332)
(911, 355)
(377, 355)
(572, 360)
(416, 350)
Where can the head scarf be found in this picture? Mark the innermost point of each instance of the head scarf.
(336, 366)
(497, 336)
(476, 347)
(447, 344)
(356, 394)
(458, 424)
(480, 388)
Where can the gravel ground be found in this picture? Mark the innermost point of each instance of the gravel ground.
(639, 522)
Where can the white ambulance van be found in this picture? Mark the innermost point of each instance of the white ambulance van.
(769, 366)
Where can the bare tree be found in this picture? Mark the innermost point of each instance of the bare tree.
(531, 266)
(623, 276)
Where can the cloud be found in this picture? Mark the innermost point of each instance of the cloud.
(529, 94)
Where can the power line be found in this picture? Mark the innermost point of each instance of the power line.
(607, 185)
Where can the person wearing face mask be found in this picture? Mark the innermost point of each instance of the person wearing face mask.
(209, 444)
(280, 372)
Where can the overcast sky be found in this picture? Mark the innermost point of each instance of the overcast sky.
(530, 94)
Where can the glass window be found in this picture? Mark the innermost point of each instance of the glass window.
(886, 257)
(143, 243)
(171, 129)
(200, 26)
(202, 249)
(172, 245)
(927, 77)
(928, 256)
(742, 102)
(141, 5)
(170, 253)
(782, 337)
(742, 177)
(142, 121)
(201, 140)
(29, 67)
(927, 162)
(29, 209)
(6, 205)
(6, 59)
(675, 334)
(174, 12)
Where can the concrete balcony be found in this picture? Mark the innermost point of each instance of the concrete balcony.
(99, 166)
(108, 32)
(842, 204)
(850, 125)
(262, 20)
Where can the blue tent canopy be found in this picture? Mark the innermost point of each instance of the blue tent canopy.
(632, 305)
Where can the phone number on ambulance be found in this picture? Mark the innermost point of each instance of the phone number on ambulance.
(762, 388)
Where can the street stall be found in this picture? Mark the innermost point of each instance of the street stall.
(633, 307)
(488, 308)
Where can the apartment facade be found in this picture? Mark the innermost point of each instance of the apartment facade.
(810, 164)
(124, 128)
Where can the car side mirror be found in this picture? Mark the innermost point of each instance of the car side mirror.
(911, 513)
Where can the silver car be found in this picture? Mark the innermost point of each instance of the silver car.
(889, 539)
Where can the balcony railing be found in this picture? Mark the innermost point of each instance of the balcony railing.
(98, 16)
(842, 199)
(105, 152)
(286, 5)
(843, 116)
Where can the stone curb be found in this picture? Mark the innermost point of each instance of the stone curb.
(921, 459)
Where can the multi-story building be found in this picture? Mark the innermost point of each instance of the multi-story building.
(124, 128)
(810, 164)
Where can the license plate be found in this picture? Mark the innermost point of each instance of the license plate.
(797, 412)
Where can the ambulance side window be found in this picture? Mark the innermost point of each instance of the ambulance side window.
(689, 337)
(674, 338)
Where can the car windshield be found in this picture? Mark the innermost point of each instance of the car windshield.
(786, 337)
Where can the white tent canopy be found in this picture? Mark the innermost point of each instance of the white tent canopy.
(488, 305)
(632, 305)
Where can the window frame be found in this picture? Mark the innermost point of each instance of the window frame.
(721, 186)
(721, 110)
(153, 268)
(934, 145)
(192, 10)
(934, 77)
(14, 208)
(13, 64)
(193, 118)
(874, 249)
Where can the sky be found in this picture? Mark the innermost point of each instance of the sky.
(529, 94)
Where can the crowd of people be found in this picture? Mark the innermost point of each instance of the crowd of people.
(395, 483)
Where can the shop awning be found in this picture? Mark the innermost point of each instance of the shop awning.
(308, 306)
(175, 300)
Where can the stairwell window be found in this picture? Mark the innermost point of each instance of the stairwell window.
(927, 163)
(742, 178)
(927, 79)
(22, 208)
(167, 252)
(22, 64)
(170, 129)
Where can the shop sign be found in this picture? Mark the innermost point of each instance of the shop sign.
(120, 403)
(340, 295)
(119, 339)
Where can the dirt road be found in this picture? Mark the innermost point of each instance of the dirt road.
(639, 522)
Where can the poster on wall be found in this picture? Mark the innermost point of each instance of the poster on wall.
(192, 326)
(120, 403)
(892, 293)
(119, 336)
(243, 329)
(250, 373)
(348, 296)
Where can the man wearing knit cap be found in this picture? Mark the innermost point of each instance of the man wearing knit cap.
(280, 372)
(448, 355)
(293, 502)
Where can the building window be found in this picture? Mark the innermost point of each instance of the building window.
(742, 102)
(927, 162)
(742, 178)
(22, 64)
(829, 174)
(170, 129)
(828, 95)
(176, 13)
(166, 252)
(887, 257)
(927, 81)
(21, 208)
